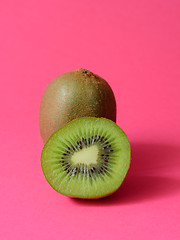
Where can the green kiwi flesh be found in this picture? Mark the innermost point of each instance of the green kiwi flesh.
(75, 94)
(87, 158)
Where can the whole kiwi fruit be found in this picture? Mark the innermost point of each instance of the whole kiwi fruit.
(75, 94)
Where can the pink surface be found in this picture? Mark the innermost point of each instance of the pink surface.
(134, 45)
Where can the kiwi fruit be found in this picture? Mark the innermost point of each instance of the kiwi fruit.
(75, 94)
(87, 158)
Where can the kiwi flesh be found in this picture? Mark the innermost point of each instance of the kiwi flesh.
(75, 94)
(87, 158)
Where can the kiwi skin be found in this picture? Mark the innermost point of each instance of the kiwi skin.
(99, 197)
(75, 94)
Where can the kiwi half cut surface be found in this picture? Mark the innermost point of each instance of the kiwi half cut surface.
(87, 158)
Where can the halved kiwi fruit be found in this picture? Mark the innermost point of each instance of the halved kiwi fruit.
(87, 158)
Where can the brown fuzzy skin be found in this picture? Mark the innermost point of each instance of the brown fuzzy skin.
(78, 93)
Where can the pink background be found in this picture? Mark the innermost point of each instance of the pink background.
(135, 46)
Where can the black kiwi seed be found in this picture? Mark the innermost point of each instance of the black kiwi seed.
(92, 169)
(89, 172)
(102, 138)
(64, 164)
(105, 170)
(98, 138)
(95, 138)
(100, 169)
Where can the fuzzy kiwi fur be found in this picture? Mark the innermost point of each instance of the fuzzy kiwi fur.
(75, 94)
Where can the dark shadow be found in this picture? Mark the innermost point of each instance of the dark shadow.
(147, 178)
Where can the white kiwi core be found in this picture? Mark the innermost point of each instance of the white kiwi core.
(86, 156)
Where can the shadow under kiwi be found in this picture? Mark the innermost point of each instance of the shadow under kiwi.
(146, 179)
